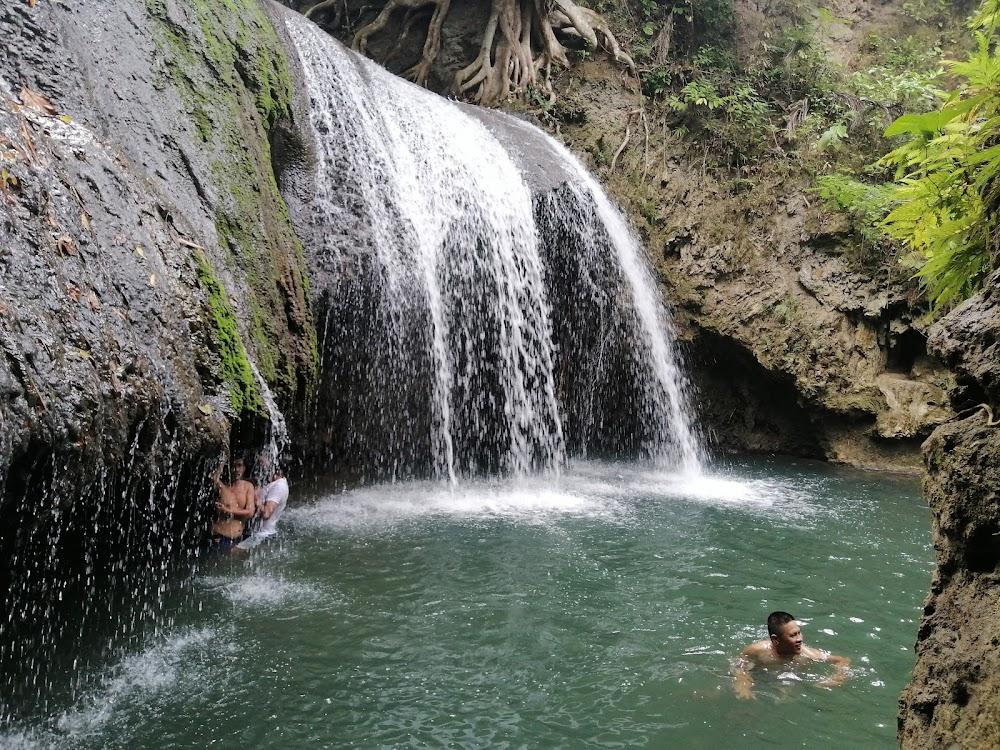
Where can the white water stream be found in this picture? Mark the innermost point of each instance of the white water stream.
(451, 220)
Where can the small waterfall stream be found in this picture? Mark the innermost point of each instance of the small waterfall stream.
(504, 328)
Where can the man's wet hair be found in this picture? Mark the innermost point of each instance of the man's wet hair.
(776, 621)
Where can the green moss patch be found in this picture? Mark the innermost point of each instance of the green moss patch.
(225, 60)
(236, 370)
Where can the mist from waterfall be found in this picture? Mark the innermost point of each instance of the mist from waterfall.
(468, 323)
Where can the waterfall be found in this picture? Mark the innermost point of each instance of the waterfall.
(277, 429)
(470, 323)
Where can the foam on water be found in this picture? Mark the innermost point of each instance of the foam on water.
(386, 506)
(31, 740)
(589, 489)
(718, 488)
(260, 590)
(133, 680)
(158, 668)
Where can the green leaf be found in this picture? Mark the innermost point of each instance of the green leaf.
(930, 122)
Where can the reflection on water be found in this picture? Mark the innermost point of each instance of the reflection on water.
(598, 611)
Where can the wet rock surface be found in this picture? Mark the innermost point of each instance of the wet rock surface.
(951, 700)
(135, 293)
(851, 345)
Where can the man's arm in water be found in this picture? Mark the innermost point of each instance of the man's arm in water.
(741, 666)
(841, 670)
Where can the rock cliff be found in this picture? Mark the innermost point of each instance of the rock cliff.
(154, 298)
(952, 698)
(153, 291)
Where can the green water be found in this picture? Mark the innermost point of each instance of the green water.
(597, 612)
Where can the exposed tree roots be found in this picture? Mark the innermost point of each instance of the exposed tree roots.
(519, 45)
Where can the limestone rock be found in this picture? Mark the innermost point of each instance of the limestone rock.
(951, 700)
(912, 406)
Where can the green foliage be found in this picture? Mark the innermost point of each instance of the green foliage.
(903, 54)
(649, 10)
(832, 138)
(911, 90)
(656, 82)
(692, 22)
(783, 95)
(698, 93)
(948, 191)
(737, 120)
(925, 11)
(866, 204)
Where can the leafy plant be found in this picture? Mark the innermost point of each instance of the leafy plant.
(866, 204)
(948, 171)
(832, 138)
(701, 93)
(656, 81)
(924, 11)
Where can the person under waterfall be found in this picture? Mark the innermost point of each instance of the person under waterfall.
(271, 501)
(236, 505)
(783, 649)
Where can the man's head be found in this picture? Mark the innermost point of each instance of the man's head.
(239, 468)
(786, 635)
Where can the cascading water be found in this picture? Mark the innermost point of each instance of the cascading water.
(276, 435)
(672, 440)
(470, 325)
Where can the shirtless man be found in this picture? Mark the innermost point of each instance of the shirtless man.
(785, 647)
(236, 506)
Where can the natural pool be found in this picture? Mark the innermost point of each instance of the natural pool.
(597, 611)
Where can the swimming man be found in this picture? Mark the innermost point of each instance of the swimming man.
(785, 647)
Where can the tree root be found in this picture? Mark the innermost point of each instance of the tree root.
(991, 421)
(339, 10)
(432, 44)
(574, 20)
(641, 114)
(507, 62)
(621, 148)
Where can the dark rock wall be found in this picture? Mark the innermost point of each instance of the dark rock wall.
(146, 260)
(952, 700)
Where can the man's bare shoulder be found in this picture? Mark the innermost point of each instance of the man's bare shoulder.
(813, 654)
(759, 651)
